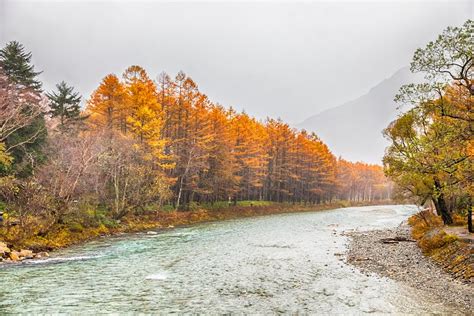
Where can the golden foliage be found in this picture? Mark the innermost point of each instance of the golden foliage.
(422, 222)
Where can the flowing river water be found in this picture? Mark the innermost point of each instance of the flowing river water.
(271, 264)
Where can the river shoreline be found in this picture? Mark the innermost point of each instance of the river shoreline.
(404, 262)
(62, 237)
(287, 263)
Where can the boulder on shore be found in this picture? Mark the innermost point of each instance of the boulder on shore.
(15, 256)
(27, 254)
(4, 250)
(9, 255)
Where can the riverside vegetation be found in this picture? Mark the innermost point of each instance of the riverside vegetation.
(430, 157)
(430, 160)
(145, 153)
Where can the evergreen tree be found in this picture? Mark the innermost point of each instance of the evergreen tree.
(25, 143)
(17, 65)
(64, 104)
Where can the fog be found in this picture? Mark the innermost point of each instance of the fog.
(277, 59)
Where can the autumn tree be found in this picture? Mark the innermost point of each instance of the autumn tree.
(281, 136)
(126, 180)
(133, 162)
(449, 57)
(106, 107)
(72, 162)
(430, 154)
(207, 153)
(188, 128)
(221, 176)
(250, 150)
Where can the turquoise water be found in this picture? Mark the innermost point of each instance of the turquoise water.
(280, 263)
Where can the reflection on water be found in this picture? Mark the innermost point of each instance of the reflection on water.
(280, 263)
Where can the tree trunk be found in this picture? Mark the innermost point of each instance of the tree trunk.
(442, 210)
(178, 199)
(441, 206)
(469, 220)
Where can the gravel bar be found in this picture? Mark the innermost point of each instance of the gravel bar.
(403, 262)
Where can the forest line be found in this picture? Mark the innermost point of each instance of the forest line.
(143, 146)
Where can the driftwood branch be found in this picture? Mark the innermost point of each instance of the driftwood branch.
(395, 240)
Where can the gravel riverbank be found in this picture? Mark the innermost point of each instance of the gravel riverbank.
(403, 261)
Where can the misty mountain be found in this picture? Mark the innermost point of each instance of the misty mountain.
(354, 129)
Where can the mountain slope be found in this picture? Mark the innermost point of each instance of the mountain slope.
(354, 129)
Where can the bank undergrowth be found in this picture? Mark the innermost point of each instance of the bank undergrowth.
(454, 254)
(67, 234)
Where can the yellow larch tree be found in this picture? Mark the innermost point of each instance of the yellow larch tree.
(107, 106)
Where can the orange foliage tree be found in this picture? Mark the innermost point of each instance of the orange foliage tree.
(209, 153)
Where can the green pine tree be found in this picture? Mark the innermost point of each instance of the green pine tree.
(65, 104)
(27, 142)
(17, 65)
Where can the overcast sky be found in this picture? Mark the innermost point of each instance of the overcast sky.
(277, 59)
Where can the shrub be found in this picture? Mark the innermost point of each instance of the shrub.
(110, 223)
(75, 227)
(434, 239)
(253, 203)
(422, 222)
(459, 219)
(450, 238)
(193, 206)
(167, 208)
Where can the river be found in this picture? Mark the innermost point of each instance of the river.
(270, 264)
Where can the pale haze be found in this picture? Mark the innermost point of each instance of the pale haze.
(272, 59)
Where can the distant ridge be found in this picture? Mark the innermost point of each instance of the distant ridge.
(354, 129)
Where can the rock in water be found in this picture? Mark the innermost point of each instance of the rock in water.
(42, 254)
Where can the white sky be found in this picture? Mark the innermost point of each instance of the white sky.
(277, 59)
